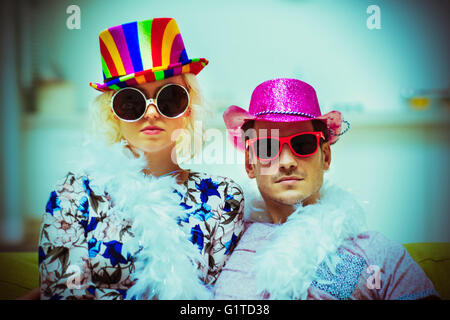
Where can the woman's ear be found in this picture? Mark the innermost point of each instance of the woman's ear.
(114, 115)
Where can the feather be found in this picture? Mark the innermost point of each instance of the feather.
(287, 265)
(167, 263)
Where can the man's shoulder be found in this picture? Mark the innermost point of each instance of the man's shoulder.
(375, 247)
(373, 237)
(255, 235)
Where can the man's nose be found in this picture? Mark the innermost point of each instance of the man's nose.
(287, 160)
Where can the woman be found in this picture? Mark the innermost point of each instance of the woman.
(130, 223)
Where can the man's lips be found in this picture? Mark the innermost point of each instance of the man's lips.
(289, 179)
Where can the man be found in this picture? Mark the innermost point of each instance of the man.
(314, 246)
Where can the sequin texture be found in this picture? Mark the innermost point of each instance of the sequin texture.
(281, 100)
(281, 95)
(342, 283)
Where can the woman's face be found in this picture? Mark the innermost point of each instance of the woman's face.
(162, 135)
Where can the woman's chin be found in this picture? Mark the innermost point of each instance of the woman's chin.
(152, 147)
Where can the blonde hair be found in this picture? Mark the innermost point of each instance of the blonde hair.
(107, 127)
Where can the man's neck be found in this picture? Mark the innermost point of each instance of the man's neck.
(279, 212)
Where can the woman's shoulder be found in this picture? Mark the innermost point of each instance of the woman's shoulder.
(74, 189)
(211, 187)
(75, 182)
(212, 195)
(215, 181)
(69, 183)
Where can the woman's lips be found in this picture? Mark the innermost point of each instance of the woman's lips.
(151, 130)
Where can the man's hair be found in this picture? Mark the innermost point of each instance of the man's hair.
(318, 125)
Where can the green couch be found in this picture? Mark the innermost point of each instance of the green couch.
(19, 270)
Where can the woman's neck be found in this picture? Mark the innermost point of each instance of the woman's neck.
(160, 163)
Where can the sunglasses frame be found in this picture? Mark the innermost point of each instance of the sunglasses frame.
(284, 140)
(150, 101)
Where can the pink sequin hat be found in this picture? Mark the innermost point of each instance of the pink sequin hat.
(282, 100)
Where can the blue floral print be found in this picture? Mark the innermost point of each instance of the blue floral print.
(207, 188)
(53, 203)
(86, 186)
(93, 247)
(203, 212)
(185, 206)
(91, 290)
(113, 252)
(197, 236)
(227, 207)
(101, 251)
(84, 207)
(89, 227)
(178, 193)
(230, 244)
(123, 293)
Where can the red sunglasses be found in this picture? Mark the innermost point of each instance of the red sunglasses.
(303, 144)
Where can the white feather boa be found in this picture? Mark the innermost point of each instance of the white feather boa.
(287, 265)
(167, 264)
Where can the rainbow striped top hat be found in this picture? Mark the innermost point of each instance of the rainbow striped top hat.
(143, 51)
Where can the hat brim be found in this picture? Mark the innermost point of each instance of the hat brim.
(158, 73)
(235, 117)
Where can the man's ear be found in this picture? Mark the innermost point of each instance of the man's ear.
(249, 166)
(326, 153)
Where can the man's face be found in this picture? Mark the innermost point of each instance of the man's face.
(288, 179)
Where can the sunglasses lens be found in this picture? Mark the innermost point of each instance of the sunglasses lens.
(172, 101)
(267, 148)
(129, 104)
(304, 144)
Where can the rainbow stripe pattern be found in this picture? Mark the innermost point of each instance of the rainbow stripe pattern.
(143, 51)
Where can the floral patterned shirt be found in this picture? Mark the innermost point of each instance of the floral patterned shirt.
(83, 249)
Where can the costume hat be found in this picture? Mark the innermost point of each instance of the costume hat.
(282, 100)
(143, 51)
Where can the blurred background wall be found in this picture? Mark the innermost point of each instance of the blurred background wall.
(392, 84)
